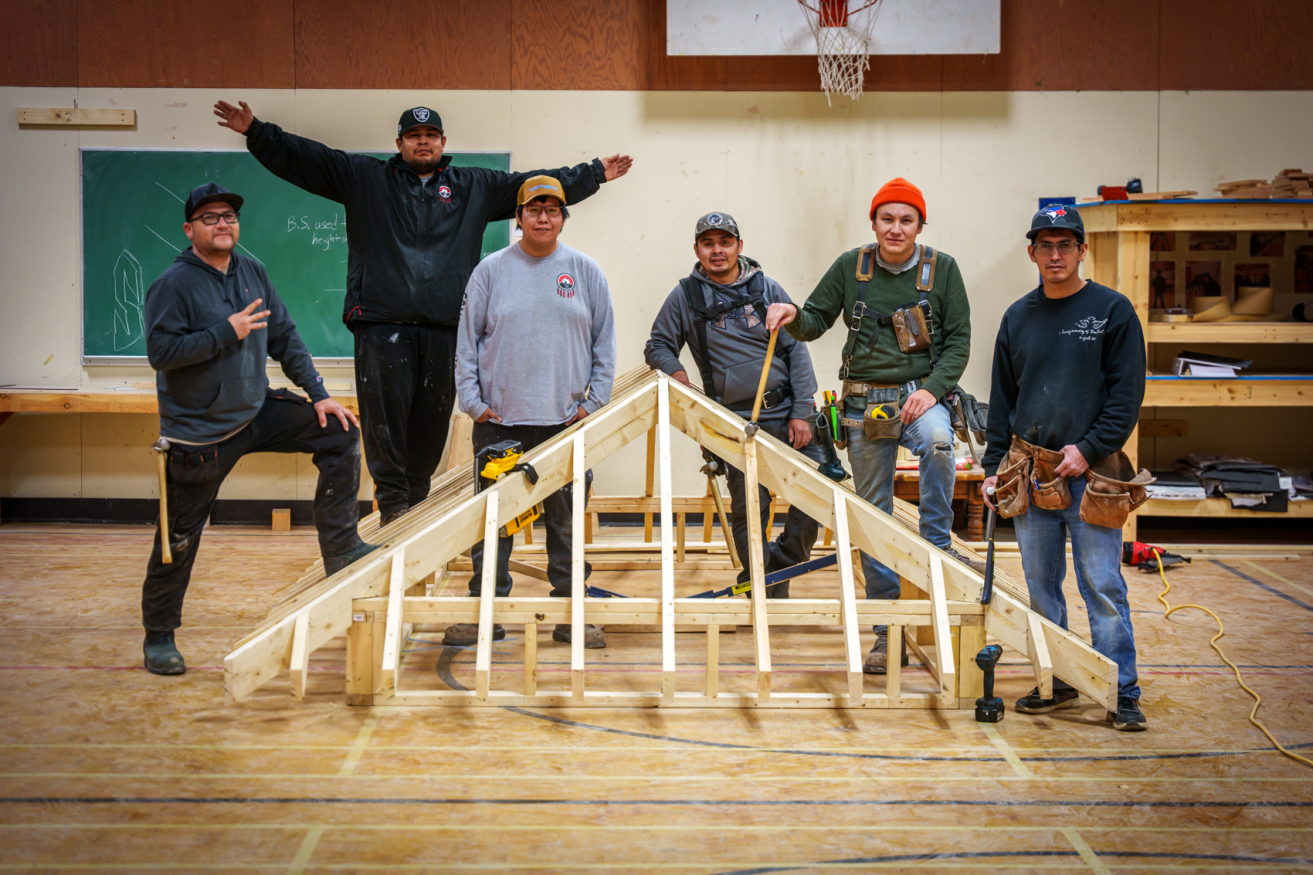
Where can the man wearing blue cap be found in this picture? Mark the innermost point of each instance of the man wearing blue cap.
(1069, 366)
(212, 319)
(415, 230)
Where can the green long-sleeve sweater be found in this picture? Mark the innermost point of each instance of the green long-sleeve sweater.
(886, 292)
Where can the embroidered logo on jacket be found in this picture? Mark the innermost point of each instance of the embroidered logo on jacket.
(444, 192)
(1088, 328)
(565, 285)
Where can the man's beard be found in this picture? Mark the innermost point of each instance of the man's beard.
(423, 166)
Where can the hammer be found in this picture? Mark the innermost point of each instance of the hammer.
(161, 449)
(751, 431)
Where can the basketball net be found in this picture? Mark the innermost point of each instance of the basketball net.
(843, 42)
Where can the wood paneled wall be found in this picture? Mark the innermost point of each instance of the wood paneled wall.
(1051, 45)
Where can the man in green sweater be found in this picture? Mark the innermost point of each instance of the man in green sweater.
(909, 336)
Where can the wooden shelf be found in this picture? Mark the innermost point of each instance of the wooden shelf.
(1230, 332)
(1163, 391)
(1200, 215)
(1219, 507)
(128, 401)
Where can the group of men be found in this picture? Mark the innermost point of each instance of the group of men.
(524, 340)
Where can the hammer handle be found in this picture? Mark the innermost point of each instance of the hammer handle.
(765, 373)
(166, 554)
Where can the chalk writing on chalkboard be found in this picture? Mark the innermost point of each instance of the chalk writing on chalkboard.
(130, 302)
(320, 233)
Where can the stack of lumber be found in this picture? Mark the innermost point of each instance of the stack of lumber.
(1289, 183)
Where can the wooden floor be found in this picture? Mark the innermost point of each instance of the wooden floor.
(107, 767)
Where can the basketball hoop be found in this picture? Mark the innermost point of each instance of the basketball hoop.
(843, 42)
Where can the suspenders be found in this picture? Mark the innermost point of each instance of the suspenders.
(925, 281)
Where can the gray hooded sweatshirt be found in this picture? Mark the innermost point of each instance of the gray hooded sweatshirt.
(737, 346)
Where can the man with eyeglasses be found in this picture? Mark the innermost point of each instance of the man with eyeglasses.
(212, 319)
(908, 321)
(535, 354)
(415, 228)
(719, 310)
(1069, 371)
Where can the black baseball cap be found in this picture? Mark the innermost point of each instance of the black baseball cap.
(208, 193)
(1057, 217)
(420, 115)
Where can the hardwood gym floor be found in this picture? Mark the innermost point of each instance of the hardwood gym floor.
(105, 767)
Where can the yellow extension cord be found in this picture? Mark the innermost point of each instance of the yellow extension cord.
(1258, 700)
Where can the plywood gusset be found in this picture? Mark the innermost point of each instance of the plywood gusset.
(384, 595)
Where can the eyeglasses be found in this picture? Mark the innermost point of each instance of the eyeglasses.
(534, 212)
(213, 218)
(1066, 247)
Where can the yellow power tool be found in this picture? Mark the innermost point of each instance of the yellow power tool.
(493, 463)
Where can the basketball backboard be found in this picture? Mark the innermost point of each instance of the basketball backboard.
(778, 27)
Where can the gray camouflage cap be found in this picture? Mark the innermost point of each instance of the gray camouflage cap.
(717, 222)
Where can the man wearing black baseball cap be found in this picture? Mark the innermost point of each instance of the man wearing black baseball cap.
(1069, 367)
(212, 319)
(415, 228)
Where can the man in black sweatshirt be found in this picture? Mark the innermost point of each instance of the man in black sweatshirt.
(212, 319)
(1069, 366)
(414, 232)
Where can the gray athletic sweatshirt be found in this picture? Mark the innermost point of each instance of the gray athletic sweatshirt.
(536, 336)
(737, 346)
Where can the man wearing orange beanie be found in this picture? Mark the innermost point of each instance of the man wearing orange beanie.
(909, 335)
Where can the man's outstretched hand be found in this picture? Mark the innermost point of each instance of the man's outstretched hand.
(237, 119)
(328, 407)
(616, 166)
(248, 320)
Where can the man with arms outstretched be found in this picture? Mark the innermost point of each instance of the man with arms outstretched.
(415, 229)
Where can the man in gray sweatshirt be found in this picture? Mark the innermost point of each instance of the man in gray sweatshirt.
(720, 311)
(535, 353)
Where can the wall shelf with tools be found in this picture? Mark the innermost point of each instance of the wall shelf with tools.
(1191, 254)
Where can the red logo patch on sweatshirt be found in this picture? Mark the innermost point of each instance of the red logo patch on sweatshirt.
(565, 285)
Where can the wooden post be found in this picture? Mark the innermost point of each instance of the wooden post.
(680, 535)
(651, 473)
(577, 630)
(488, 590)
(667, 552)
(943, 638)
(531, 659)
(360, 660)
(713, 660)
(852, 642)
(970, 679)
(300, 656)
(893, 679)
(757, 568)
(1039, 655)
(392, 642)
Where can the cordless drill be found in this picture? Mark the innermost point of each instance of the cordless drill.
(989, 708)
(827, 422)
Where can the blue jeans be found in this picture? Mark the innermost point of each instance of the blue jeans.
(873, 463)
(1096, 552)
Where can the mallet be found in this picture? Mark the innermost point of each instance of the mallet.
(751, 430)
(708, 469)
(161, 449)
(989, 708)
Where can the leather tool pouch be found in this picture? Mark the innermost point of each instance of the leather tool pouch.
(1112, 491)
(881, 420)
(193, 464)
(910, 327)
(1012, 494)
(1048, 489)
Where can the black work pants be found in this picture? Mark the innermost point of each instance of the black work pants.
(558, 514)
(286, 423)
(795, 543)
(406, 385)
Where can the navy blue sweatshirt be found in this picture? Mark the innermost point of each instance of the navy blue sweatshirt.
(1067, 371)
(211, 384)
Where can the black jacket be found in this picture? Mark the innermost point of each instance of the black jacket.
(411, 247)
(210, 384)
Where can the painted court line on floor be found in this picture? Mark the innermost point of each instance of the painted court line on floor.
(362, 741)
(1270, 573)
(1006, 749)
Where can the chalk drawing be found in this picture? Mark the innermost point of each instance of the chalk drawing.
(130, 302)
(157, 234)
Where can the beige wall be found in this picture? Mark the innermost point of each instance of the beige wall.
(798, 176)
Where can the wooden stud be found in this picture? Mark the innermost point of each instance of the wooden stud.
(827, 535)
(757, 568)
(651, 473)
(586, 523)
(531, 659)
(528, 534)
(282, 519)
(392, 642)
(1039, 656)
(667, 556)
(852, 641)
(893, 678)
(708, 508)
(713, 660)
(970, 679)
(83, 118)
(300, 657)
(577, 636)
(680, 536)
(359, 660)
(943, 639)
(487, 591)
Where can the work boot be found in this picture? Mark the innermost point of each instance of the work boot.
(1129, 717)
(162, 656)
(971, 562)
(593, 637)
(467, 634)
(387, 516)
(1063, 697)
(877, 661)
(334, 564)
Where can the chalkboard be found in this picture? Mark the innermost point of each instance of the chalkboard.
(132, 202)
